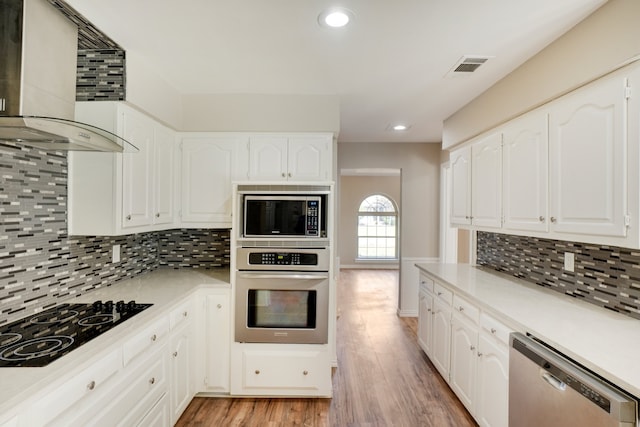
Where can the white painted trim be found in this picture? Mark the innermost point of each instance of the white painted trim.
(372, 266)
(407, 313)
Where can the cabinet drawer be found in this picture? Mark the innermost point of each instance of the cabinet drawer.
(466, 308)
(77, 391)
(182, 314)
(149, 338)
(443, 293)
(426, 283)
(496, 328)
(283, 370)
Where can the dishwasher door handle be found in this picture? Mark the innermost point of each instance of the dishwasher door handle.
(553, 381)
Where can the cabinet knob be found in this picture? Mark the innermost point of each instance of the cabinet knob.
(154, 337)
(305, 372)
(152, 380)
(257, 372)
(290, 175)
(158, 215)
(493, 330)
(553, 219)
(219, 305)
(439, 294)
(175, 354)
(473, 347)
(428, 309)
(185, 314)
(479, 354)
(283, 175)
(541, 218)
(460, 309)
(128, 217)
(91, 385)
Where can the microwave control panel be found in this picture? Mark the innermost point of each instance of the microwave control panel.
(282, 258)
(312, 218)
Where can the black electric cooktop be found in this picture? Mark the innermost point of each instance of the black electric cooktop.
(40, 339)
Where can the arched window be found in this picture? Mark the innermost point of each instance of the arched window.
(377, 228)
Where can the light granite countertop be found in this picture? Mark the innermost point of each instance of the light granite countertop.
(606, 342)
(164, 288)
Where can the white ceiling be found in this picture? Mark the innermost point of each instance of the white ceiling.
(388, 66)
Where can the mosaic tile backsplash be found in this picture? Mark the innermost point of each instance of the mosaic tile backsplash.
(40, 265)
(100, 75)
(607, 276)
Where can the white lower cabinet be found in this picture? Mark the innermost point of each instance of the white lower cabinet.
(214, 327)
(181, 356)
(281, 370)
(469, 348)
(159, 414)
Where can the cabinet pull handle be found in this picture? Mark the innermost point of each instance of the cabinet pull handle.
(175, 354)
(493, 330)
(541, 218)
(152, 381)
(219, 305)
(257, 372)
(305, 372)
(154, 337)
(553, 219)
(128, 217)
(91, 385)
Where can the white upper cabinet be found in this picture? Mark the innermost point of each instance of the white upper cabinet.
(460, 163)
(486, 181)
(209, 165)
(525, 171)
(122, 193)
(290, 157)
(587, 160)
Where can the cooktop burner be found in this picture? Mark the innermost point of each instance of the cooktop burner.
(40, 339)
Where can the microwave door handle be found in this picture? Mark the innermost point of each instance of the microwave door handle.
(284, 276)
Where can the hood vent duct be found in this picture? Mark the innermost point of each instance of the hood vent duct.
(38, 47)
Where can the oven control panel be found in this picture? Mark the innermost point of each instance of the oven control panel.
(282, 258)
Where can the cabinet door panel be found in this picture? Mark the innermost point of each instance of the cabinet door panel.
(218, 338)
(525, 160)
(441, 343)
(164, 176)
(486, 182)
(464, 339)
(587, 152)
(181, 387)
(425, 322)
(493, 384)
(461, 186)
(137, 171)
(308, 159)
(268, 158)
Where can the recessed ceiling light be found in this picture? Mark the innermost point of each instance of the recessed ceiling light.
(398, 127)
(335, 17)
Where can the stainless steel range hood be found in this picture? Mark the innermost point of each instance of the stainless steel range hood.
(38, 51)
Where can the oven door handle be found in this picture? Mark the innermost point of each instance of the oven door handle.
(296, 276)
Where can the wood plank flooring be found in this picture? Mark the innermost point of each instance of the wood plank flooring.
(383, 378)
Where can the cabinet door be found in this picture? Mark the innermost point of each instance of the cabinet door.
(217, 329)
(464, 342)
(425, 322)
(164, 175)
(460, 161)
(308, 158)
(486, 181)
(209, 165)
(441, 343)
(493, 383)
(525, 168)
(181, 385)
(137, 170)
(587, 160)
(268, 158)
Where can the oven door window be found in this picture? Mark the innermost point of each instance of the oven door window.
(286, 309)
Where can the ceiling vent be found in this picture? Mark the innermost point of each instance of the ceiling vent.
(467, 65)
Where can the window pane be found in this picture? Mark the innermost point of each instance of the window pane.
(377, 223)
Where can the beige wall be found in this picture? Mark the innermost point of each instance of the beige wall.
(354, 189)
(420, 164)
(603, 41)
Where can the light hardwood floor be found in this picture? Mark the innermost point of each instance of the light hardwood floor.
(383, 378)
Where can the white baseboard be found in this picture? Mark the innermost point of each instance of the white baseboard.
(370, 267)
(407, 313)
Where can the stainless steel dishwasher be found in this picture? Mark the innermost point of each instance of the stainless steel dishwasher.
(548, 390)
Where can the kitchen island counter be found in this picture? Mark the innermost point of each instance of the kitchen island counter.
(604, 341)
(164, 288)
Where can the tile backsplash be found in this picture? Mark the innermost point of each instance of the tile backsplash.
(607, 276)
(40, 265)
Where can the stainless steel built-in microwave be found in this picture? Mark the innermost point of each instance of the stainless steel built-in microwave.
(283, 216)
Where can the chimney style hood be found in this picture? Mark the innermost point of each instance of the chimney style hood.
(38, 47)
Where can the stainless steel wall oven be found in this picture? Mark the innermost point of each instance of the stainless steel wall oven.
(282, 295)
